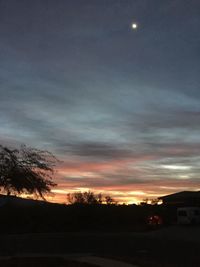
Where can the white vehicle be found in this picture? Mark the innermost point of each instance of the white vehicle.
(188, 215)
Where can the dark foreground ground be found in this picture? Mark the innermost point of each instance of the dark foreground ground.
(41, 262)
(168, 247)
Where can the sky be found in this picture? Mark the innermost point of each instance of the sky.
(120, 107)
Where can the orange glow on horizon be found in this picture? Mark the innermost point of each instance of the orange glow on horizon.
(106, 177)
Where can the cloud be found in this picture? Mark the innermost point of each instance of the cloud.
(100, 150)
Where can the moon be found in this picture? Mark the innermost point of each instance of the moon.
(134, 26)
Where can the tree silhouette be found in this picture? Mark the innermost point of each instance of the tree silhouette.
(109, 200)
(26, 170)
(89, 198)
(83, 198)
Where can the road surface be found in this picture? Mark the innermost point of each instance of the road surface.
(172, 246)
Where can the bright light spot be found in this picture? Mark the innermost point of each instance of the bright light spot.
(176, 167)
(160, 202)
(134, 26)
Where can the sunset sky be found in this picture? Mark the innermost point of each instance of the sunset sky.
(120, 107)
